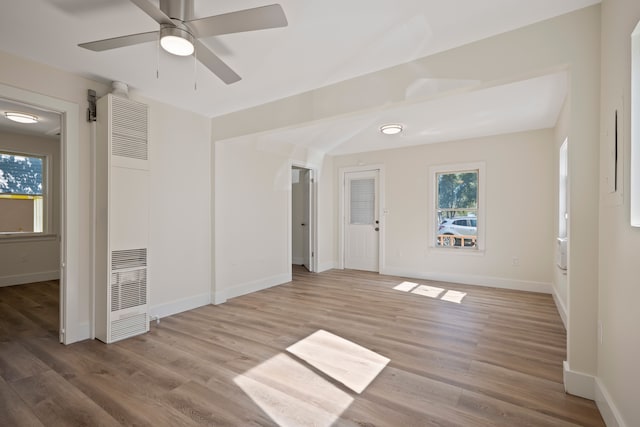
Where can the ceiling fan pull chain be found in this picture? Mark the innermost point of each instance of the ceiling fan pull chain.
(195, 69)
(158, 59)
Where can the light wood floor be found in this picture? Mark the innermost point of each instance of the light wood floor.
(495, 359)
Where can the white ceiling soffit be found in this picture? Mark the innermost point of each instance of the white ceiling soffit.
(506, 108)
(326, 41)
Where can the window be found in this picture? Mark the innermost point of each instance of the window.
(22, 193)
(363, 193)
(458, 220)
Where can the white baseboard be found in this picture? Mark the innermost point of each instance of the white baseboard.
(608, 410)
(297, 261)
(79, 332)
(578, 383)
(249, 287)
(324, 266)
(494, 282)
(562, 309)
(178, 306)
(20, 279)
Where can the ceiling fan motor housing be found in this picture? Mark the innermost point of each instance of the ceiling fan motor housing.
(177, 9)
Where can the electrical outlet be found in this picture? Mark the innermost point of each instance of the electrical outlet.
(515, 261)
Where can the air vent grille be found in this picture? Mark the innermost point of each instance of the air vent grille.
(128, 289)
(129, 132)
(128, 258)
(129, 326)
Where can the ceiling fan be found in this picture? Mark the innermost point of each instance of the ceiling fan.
(180, 32)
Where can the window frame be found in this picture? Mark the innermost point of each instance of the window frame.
(47, 206)
(432, 214)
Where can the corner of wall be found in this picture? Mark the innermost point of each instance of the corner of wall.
(325, 266)
(578, 383)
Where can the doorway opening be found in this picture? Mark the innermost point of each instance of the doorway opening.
(303, 217)
(69, 233)
(30, 211)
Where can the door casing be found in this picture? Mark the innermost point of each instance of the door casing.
(313, 216)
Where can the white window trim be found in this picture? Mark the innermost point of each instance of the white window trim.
(46, 196)
(431, 212)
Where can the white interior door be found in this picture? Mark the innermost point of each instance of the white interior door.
(362, 223)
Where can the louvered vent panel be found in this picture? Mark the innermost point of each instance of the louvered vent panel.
(128, 289)
(128, 258)
(128, 327)
(129, 131)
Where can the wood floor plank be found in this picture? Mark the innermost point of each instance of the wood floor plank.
(57, 403)
(493, 359)
(13, 410)
(16, 362)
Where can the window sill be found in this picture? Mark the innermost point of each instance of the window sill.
(27, 237)
(456, 250)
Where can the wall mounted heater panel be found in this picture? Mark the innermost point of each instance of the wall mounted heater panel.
(122, 219)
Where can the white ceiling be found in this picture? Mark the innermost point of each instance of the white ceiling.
(326, 41)
(479, 111)
(48, 122)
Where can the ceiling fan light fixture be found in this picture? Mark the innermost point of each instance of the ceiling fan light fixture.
(21, 117)
(176, 41)
(391, 129)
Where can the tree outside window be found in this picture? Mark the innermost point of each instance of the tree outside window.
(457, 208)
(21, 193)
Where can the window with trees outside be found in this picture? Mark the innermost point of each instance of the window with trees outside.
(21, 193)
(457, 209)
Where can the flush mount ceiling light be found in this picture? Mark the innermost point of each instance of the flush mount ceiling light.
(391, 129)
(176, 41)
(21, 117)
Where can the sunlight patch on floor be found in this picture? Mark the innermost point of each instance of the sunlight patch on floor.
(431, 292)
(292, 394)
(428, 291)
(454, 296)
(343, 360)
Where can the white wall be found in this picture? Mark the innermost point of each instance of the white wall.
(181, 169)
(569, 42)
(180, 217)
(25, 260)
(518, 210)
(619, 290)
(252, 213)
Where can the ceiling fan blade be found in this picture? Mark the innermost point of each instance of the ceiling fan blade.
(123, 41)
(149, 8)
(215, 64)
(258, 18)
